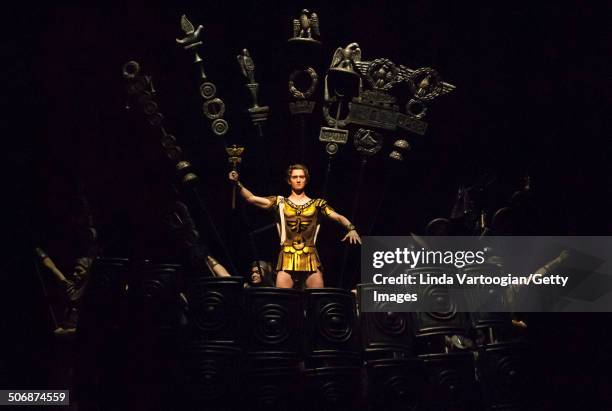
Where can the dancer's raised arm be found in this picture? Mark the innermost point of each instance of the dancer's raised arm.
(261, 202)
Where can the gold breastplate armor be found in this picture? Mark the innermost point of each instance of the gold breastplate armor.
(298, 251)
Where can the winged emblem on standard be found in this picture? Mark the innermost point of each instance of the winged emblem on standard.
(345, 58)
(306, 25)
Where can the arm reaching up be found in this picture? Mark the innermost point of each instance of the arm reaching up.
(261, 202)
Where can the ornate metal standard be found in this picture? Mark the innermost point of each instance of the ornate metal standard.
(140, 86)
(213, 108)
(344, 81)
(234, 152)
(342, 68)
(304, 79)
(332, 135)
(259, 115)
(382, 81)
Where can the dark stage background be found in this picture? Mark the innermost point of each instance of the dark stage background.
(530, 98)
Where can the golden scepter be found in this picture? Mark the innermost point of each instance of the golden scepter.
(234, 152)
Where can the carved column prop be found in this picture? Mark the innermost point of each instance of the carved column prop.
(213, 107)
(234, 152)
(303, 79)
(258, 114)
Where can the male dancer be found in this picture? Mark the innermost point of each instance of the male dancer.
(298, 227)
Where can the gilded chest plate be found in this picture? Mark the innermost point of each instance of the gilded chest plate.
(308, 209)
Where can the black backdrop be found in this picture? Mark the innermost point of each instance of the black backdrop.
(530, 96)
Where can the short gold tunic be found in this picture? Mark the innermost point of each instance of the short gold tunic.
(298, 251)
